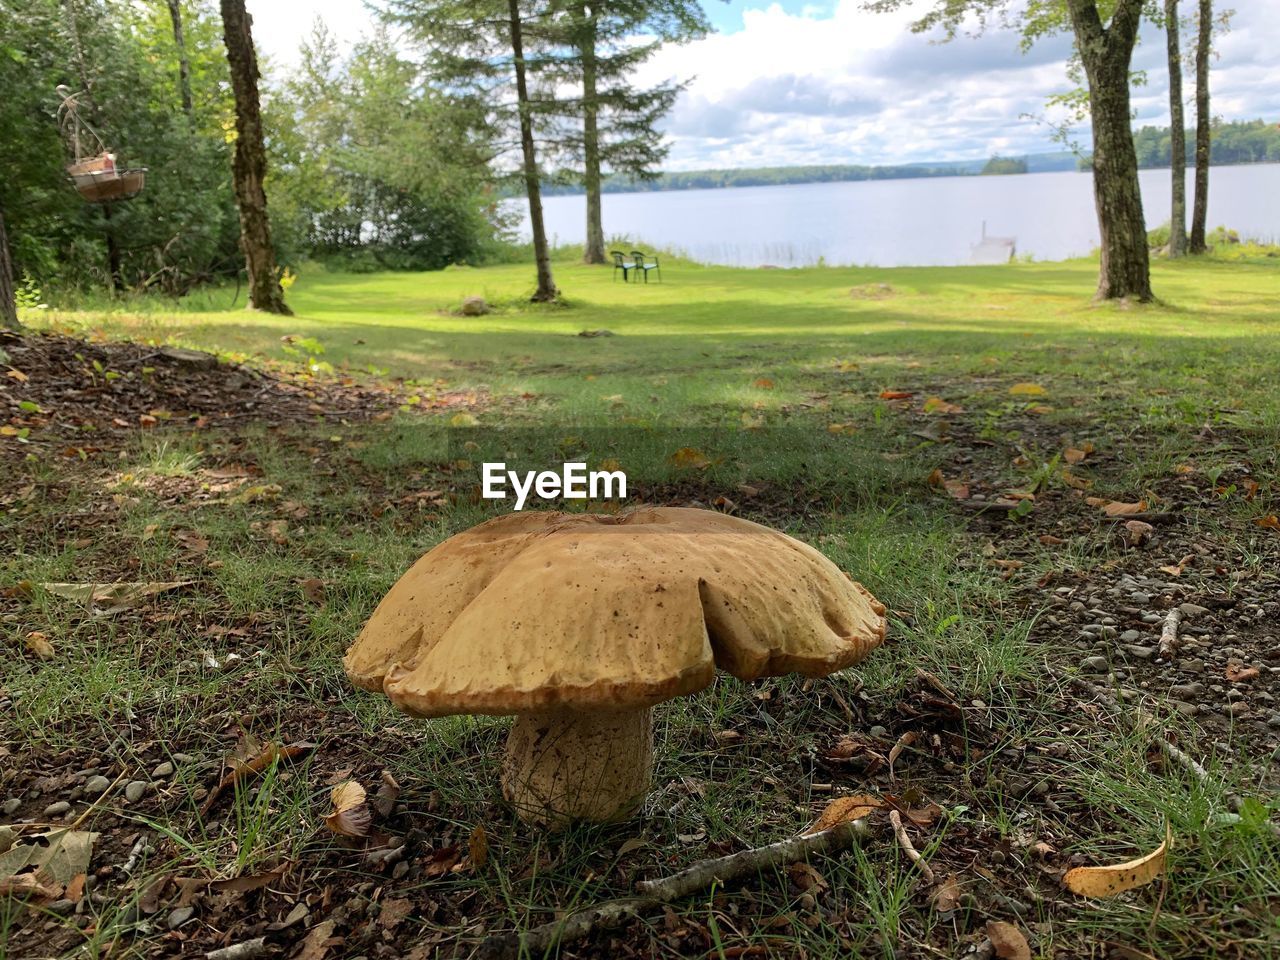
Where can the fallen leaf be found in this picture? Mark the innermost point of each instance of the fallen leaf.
(350, 816)
(940, 406)
(1115, 508)
(257, 492)
(896, 394)
(1270, 522)
(53, 858)
(313, 589)
(118, 596)
(1049, 540)
(26, 885)
(463, 420)
(1008, 941)
(904, 741)
(806, 877)
(478, 847)
(442, 861)
(1027, 390)
(316, 944)
(248, 884)
(1237, 672)
(958, 489)
(947, 895)
(18, 375)
(1108, 881)
(394, 912)
(38, 643)
(764, 383)
(690, 458)
(1074, 455)
(244, 769)
(384, 800)
(843, 810)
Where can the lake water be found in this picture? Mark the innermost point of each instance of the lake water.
(903, 222)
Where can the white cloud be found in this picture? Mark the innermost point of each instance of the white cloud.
(831, 83)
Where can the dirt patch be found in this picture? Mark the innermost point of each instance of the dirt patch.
(71, 394)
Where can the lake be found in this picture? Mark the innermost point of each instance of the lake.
(903, 222)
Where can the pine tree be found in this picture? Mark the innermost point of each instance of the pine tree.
(479, 50)
(613, 123)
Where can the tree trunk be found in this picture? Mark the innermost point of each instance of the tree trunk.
(1200, 212)
(8, 302)
(249, 168)
(1177, 133)
(594, 251)
(533, 188)
(184, 65)
(1106, 53)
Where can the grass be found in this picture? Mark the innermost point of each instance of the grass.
(774, 380)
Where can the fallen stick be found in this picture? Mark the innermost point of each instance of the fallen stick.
(1169, 635)
(908, 847)
(247, 950)
(653, 894)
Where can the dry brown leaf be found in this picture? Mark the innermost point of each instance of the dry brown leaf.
(958, 489)
(117, 596)
(764, 383)
(1115, 508)
(243, 885)
(690, 458)
(244, 769)
(1237, 672)
(313, 589)
(947, 895)
(1270, 522)
(1049, 540)
(394, 912)
(384, 801)
(1074, 455)
(1119, 877)
(350, 816)
(904, 741)
(1008, 941)
(26, 885)
(55, 857)
(478, 847)
(318, 941)
(896, 394)
(843, 810)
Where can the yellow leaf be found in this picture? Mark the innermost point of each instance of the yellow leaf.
(750, 422)
(841, 428)
(39, 644)
(1108, 881)
(350, 816)
(463, 420)
(611, 464)
(8, 431)
(17, 375)
(690, 458)
(843, 810)
(938, 405)
(1028, 390)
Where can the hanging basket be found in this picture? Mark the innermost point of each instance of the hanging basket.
(97, 178)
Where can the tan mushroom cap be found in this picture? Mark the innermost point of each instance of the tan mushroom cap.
(539, 610)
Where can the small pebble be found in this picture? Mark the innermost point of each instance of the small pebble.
(57, 809)
(1187, 691)
(878, 731)
(1191, 666)
(163, 770)
(180, 916)
(134, 790)
(10, 805)
(96, 785)
(1142, 653)
(1193, 610)
(1274, 721)
(1188, 709)
(1139, 596)
(1131, 636)
(1238, 709)
(1094, 664)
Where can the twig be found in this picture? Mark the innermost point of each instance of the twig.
(908, 847)
(247, 950)
(1169, 643)
(653, 894)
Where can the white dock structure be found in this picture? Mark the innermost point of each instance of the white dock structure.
(992, 250)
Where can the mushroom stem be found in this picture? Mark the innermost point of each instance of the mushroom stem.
(565, 765)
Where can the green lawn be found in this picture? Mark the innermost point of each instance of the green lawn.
(774, 379)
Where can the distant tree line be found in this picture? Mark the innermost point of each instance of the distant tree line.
(1238, 141)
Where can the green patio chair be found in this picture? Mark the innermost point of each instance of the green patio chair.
(645, 264)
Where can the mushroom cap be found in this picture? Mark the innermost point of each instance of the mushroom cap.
(541, 610)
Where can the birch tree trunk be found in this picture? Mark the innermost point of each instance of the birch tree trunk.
(1200, 211)
(249, 167)
(1177, 133)
(546, 290)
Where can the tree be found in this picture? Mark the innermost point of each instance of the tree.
(8, 301)
(1177, 133)
(546, 289)
(249, 167)
(184, 65)
(1200, 211)
(477, 50)
(1106, 52)
(618, 121)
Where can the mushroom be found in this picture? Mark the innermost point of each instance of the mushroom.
(579, 624)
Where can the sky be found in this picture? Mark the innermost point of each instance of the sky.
(796, 81)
